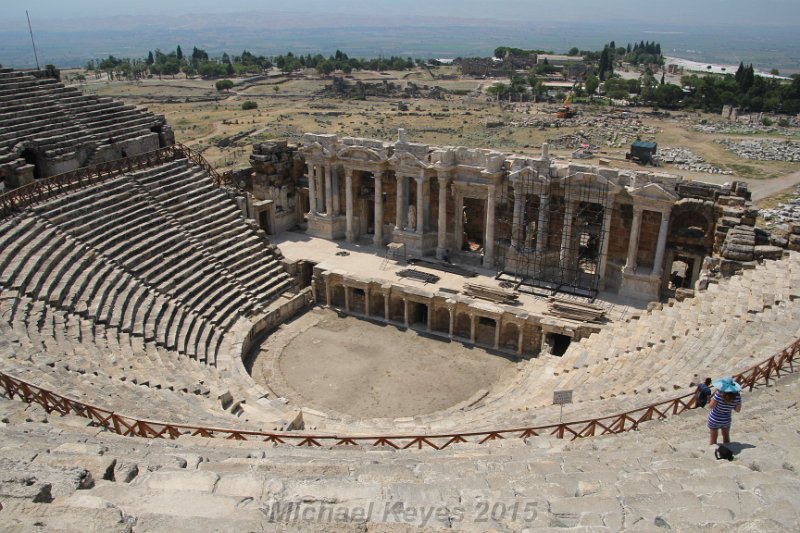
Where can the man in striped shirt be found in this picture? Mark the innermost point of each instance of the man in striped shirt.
(726, 400)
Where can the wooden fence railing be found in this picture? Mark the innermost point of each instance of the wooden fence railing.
(42, 189)
(782, 362)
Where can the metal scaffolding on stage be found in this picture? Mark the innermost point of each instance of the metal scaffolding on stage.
(540, 253)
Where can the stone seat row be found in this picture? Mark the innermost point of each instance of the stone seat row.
(56, 118)
(115, 132)
(63, 100)
(67, 348)
(661, 476)
(85, 346)
(119, 211)
(205, 211)
(108, 295)
(112, 254)
(760, 289)
(32, 121)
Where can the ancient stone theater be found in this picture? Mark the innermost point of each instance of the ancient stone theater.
(376, 334)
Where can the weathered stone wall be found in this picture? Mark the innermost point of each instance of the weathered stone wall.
(648, 238)
(277, 171)
(620, 233)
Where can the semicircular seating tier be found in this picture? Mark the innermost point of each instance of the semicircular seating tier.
(58, 471)
(136, 294)
(47, 128)
(728, 328)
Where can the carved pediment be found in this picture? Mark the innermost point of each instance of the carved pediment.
(407, 160)
(528, 175)
(654, 192)
(590, 187)
(360, 153)
(315, 151)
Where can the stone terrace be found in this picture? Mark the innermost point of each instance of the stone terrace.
(130, 292)
(65, 129)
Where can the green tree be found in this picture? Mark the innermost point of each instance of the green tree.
(179, 53)
(224, 85)
(604, 64)
(591, 83)
(249, 104)
(326, 67)
(150, 59)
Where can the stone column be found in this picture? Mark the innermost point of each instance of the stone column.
(458, 229)
(347, 291)
(386, 314)
(328, 192)
(566, 233)
(497, 325)
(337, 186)
(472, 328)
(405, 311)
(312, 189)
(420, 205)
(633, 242)
(543, 223)
(661, 246)
(516, 222)
(406, 193)
(605, 233)
(399, 216)
(520, 338)
(543, 348)
(378, 238)
(430, 317)
(328, 290)
(441, 244)
(366, 301)
(488, 243)
(452, 310)
(348, 204)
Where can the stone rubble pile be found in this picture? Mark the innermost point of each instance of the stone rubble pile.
(610, 134)
(784, 213)
(684, 159)
(763, 149)
(739, 128)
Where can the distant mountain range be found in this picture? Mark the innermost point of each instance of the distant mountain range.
(72, 42)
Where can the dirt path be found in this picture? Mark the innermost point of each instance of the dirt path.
(761, 188)
(765, 188)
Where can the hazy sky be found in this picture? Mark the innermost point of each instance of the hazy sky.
(712, 12)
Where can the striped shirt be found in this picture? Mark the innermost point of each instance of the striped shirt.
(720, 415)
